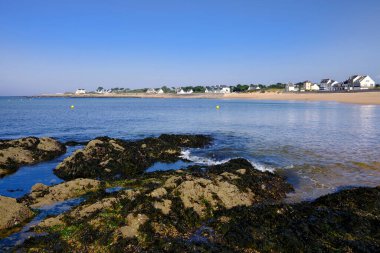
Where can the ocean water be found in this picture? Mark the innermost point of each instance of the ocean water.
(320, 147)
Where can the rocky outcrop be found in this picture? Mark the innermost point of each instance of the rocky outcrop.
(108, 158)
(43, 195)
(170, 204)
(12, 213)
(26, 151)
(347, 221)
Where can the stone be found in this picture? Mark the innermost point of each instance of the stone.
(27, 151)
(12, 213)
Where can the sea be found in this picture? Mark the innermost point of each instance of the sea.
(320, 147)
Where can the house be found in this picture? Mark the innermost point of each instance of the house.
(80, 91)
(307, 85)
(315, 87)
(189, 91)
(180, 91)
(328, 85)
(253, 87)
(290, 87)
(151, 91)
(160, 91)
(224, 89)
(358, 82)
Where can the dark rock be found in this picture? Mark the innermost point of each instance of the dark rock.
(107, 158)
(27, 151)
(346, 221)
(75, 143)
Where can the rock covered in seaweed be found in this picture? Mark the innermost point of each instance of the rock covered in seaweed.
(347, 221)
(158, 209)
(43, 195)
(26, 151)
(105, 157)
(12, 213)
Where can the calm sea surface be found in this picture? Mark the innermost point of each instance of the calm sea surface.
(320, 146)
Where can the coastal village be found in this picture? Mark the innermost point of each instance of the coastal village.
(353, 83)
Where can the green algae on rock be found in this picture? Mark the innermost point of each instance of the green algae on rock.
(107, 158)
(27, 151)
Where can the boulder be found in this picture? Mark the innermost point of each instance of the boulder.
(12, 213)
(42, 195)
(109, 158)
(27, 151)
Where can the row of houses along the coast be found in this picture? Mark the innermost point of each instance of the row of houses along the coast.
(356, 82)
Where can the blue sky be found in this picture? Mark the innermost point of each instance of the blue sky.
(56, 46)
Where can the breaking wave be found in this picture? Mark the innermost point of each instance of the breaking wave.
(186, 154)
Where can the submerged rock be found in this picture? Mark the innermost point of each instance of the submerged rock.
(43, 195)
(26, 151)
(108, 158)
(12, 213)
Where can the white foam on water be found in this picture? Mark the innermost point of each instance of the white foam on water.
(186, 154)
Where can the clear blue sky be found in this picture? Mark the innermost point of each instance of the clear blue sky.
(57, 46)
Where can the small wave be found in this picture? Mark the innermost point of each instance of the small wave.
(186, 154)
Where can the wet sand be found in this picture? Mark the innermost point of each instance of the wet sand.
(369, 98)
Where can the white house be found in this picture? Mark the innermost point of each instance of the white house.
(160, 91)
(189, 91)
(80, 91)
(151, 91)
(328, 85)
(358, 82)
(253, 87)
(180, 91)
(314, 87)
(225, 89)
(290, 87)
(307, 85)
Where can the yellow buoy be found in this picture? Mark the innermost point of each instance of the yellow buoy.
(72, 107)
(217, 107)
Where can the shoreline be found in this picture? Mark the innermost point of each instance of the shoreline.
(364, 98)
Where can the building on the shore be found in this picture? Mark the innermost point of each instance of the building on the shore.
(314, 87)
(151, 91)
(290, 87)
(224, 89)
(160, 91)
(180, 91)
(307, 85)
(328, 85)
(218, 89)
(358, 82)
(80, 91)
(254, 87)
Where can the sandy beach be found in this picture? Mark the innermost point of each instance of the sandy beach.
(369, 98)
